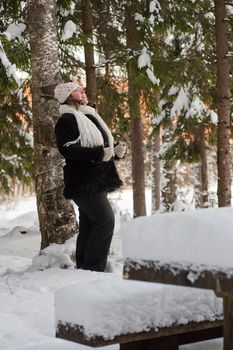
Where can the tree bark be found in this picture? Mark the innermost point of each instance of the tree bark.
(202, 175)
(197, 185)
(223, 105)
(87, 26)
(169, 188)
(228, 322)
(56, 215)
(155, 170)
(133, 42)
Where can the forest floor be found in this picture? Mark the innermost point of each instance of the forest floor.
(27, 318)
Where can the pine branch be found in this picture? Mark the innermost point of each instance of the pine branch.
(73, 59)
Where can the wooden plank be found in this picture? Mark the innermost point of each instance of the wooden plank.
(200, 335)
(219, 280)
(164, 343)
(228, 322)
(76, 333)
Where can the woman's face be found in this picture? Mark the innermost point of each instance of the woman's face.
(84, 99)
(79, 95)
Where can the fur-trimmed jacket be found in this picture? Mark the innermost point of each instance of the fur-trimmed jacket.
(84, 171)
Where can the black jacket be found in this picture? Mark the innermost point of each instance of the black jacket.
(85, 171)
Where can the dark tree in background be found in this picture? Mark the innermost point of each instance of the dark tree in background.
(223, 104)
(87, 26)
(138, 172)
(156, 169)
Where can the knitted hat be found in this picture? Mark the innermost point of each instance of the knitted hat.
(63, 91)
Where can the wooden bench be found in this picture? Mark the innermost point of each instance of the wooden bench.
(124, 304)
(162, 338)
(208, 233)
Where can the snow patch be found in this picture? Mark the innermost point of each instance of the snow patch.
(144, 60)
(138, 17)
(15, 30)
(173, 90)
(11, 70)
(181, 103)
(155, 10)
(55, 255)
(131, 306)
(69, 30)
(229, 10)
(152, 77)
(197, 109)
(199, 237)
(213, 116)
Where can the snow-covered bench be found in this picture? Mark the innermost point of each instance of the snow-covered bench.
(193, 248)
(135, 314)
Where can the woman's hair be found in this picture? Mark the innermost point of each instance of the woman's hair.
(72, 102)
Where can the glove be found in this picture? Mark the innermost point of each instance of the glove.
(120, 149)
(107, 154)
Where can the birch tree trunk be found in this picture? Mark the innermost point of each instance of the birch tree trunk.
(133, 42)
(223, 105)
(156, 170)
(56, 215)
(87, 26)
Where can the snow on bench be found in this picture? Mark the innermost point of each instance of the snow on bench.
(113, 310)
(192, 248)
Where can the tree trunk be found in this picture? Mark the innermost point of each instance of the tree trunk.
(223, 105)
(169, 186)
(155, 170)
(133, 42)
(139, 202)
(197, 185)
(56, 215)
(202, 171)
(87, 26)
(204, 167)
(228, 322)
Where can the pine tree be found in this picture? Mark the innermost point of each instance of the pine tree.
(138, 171)
(188, 57)
(223, 104)
(16, 141)
(156, 169)
(87, 26)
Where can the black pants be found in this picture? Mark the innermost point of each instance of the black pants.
(96, 225)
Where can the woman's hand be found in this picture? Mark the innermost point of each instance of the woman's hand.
(108, 154)
(120, 149)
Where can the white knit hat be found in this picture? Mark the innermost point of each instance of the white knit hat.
(63, 91)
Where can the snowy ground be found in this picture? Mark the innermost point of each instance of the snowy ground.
(27, 297)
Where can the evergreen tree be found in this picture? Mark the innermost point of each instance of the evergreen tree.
(16, 141)
(187, 53)
(134, 92)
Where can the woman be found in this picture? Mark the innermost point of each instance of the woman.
(87, 145)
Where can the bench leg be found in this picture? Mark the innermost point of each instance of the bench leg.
(228, 322)
(165, 343)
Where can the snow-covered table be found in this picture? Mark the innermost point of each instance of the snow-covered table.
(192, 248)
(135, 314)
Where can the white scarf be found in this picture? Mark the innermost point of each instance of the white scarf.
(89, 134)
(92, 111)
